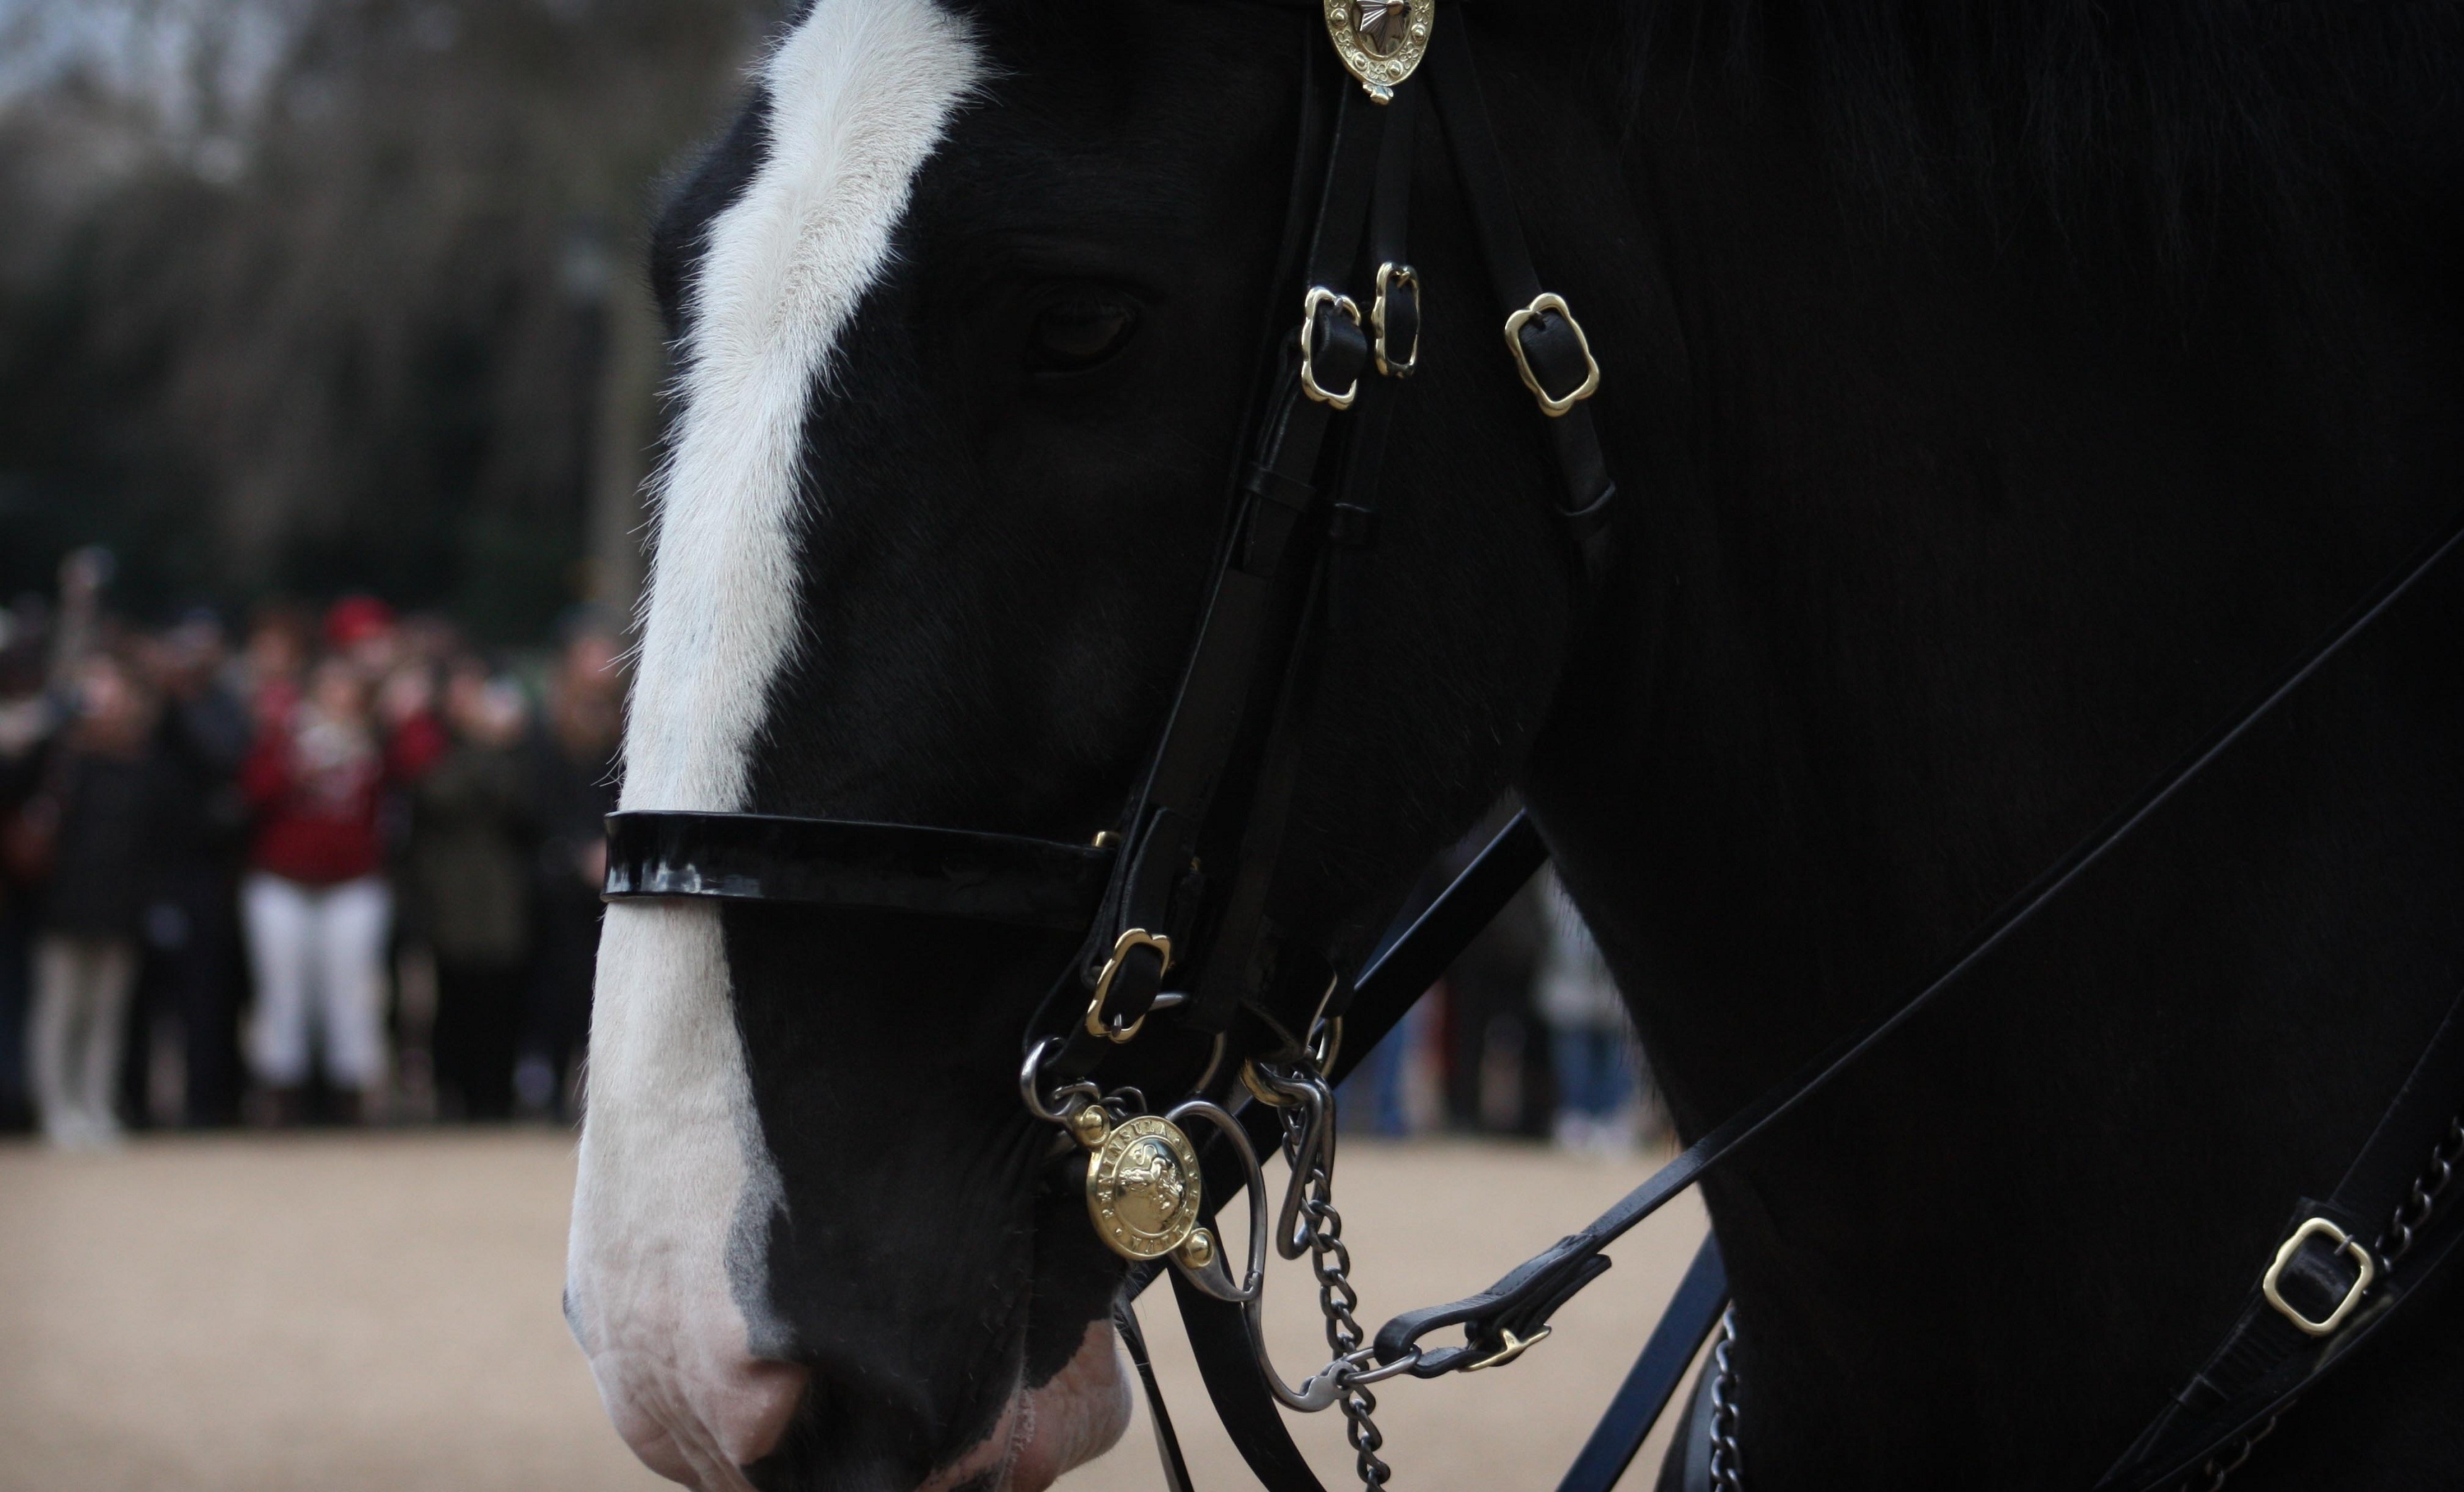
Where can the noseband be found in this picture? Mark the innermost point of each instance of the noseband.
(1171, 904)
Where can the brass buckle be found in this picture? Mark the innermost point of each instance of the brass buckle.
(2343, 1241)
(1320, 295)
(1096, 1024)
(1514, 1348)
(1389, 275)
(1549, 405)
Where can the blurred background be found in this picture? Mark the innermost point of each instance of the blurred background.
(328, 384)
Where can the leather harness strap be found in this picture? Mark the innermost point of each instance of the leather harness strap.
(1550, 346)
(2332, 1285)
(1523, 1300)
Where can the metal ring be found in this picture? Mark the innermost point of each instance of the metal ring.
(1262, 1088)
(1319, 296)
(1324, 1042)
(1361, 1376)
(1030, 1086)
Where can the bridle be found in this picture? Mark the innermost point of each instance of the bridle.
(1172, 903)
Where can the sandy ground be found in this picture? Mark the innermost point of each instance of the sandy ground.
(380, 1312)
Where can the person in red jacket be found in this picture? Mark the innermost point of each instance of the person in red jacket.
(316, 901)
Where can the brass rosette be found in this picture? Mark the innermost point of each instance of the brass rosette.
(1380, 41)
(1143, 1187)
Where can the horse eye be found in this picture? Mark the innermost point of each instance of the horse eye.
(1074, 335)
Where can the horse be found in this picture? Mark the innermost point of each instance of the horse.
(2000, 392)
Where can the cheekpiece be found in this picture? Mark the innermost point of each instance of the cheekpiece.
(1380, 41)
(1142, 1186)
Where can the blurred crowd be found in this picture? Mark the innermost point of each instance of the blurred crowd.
(1526, 1035)
(343, 867)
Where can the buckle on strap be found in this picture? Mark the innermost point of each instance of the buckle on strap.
(1514, 1348)
(2339, 1239)
(1551, 303)
(1391, 278)
(1319, 297)
(1098, 1023)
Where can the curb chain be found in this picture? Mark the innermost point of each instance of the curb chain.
(1726, 1474)
(1331, 1262)
(2416, 1209)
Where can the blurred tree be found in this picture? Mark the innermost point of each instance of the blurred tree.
(307, 294)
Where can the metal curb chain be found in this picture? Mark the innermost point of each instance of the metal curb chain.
(2416, 1209)
(1331, 1262)
(1726, 1473)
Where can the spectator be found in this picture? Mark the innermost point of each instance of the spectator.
(192, 923)
(1587, 1034)
(469, 873)
(315, 900)
(272, 662)
(27, 717)
(105, 794)
(573, 790)
(360, 630)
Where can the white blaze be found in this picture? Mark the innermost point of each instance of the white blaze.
(674, 1167)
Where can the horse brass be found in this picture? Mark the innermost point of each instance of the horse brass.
(1380, 41)
(1143, 1188)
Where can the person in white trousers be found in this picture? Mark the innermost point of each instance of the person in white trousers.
(102, 796)
(81, 1018)
(316, 901)
(319, 956)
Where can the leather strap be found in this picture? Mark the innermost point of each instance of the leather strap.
(1284, 992)
(1247, 643)
(1219, 1340)
(844, 863)
(1523, 1300)
(2265, 1360)
(1550, 341)
(1175, 1469)
(1684, 1327)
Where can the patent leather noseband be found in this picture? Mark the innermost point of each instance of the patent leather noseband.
(857, 866)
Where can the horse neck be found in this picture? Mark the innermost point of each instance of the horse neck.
(1961, 544)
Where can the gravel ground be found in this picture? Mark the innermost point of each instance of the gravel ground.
(378, 1312)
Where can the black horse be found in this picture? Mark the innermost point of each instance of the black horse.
(2000, 390)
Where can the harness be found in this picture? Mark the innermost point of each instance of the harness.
(1173, 903)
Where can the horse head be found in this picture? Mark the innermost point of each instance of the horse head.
(968, 306)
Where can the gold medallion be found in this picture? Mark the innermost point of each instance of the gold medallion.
(1380, 41)
(1142, 1186)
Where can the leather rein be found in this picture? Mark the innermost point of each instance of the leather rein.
(1171, 904)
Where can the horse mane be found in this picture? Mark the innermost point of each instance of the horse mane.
(2166, 117)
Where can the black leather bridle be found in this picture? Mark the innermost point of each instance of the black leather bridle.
(1172, 903)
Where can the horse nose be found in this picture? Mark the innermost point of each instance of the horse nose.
(699, 1417)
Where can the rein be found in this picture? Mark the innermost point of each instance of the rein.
(1172, 903)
